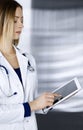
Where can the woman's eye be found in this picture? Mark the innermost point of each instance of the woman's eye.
(15, 21)
(22, 21)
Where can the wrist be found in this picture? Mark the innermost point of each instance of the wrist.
(33, 105)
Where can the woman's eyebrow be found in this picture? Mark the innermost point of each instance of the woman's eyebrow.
(18, 17)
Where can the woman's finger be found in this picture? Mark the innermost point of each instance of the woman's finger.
(57, 95)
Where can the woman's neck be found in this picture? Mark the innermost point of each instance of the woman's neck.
(7, 49)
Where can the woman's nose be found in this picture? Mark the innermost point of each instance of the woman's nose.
(20, 24)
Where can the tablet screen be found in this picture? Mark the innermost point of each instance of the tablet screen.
(67, 89)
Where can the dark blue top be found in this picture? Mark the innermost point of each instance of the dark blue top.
(26, 104)
(18, 72)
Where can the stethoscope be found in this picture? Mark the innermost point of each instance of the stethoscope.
(29, 67)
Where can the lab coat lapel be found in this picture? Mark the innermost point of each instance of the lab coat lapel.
(23, 62)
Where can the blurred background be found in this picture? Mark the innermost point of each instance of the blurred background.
(53, 33)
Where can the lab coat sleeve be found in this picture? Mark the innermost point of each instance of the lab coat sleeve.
(11, 113)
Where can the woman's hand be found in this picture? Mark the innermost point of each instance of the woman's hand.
(45, 100)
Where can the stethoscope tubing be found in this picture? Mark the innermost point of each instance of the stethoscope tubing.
(29, 67)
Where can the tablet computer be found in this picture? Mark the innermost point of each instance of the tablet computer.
(66, 91)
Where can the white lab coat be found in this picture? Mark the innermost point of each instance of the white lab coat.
(11, 106)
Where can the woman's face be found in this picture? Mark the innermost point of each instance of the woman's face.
(18, 23)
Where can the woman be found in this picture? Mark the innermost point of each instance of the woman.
(17, 74)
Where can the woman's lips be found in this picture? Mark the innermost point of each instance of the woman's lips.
(18, 32)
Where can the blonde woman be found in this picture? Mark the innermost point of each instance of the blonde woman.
(17, 74)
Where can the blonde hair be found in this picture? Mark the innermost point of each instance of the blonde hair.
(7, 14)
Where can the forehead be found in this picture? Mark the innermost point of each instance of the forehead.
(19, 12)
